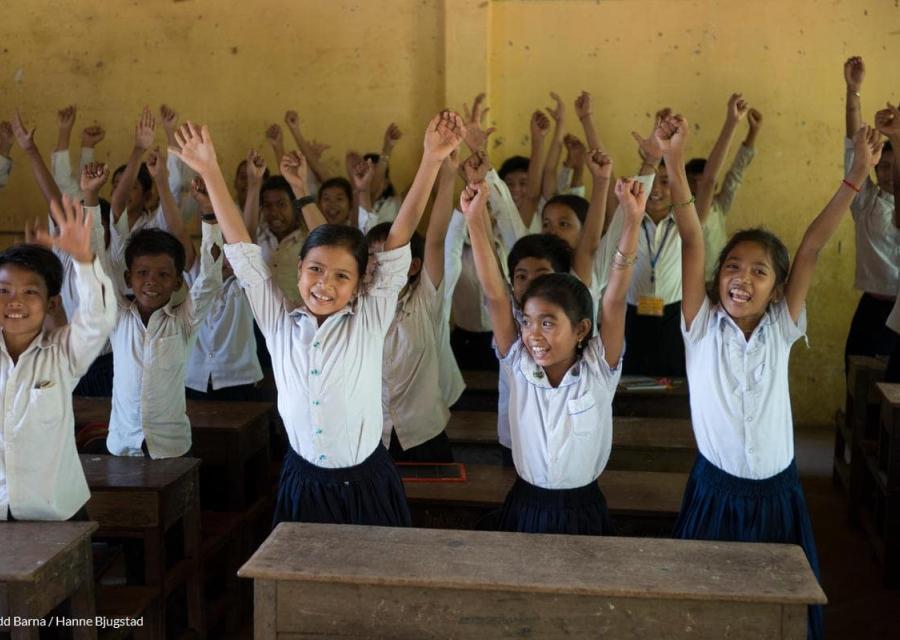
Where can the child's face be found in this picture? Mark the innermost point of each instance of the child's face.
(240, 182)
(660, 199)
(550, 336)
(278, 212)
(884, 171)
(334, 205)
(747, 284)
(136, 196)
(526, 270)
(559, 220)
(151, 200)
(328, 278)
(517, 181)
(24, 300)
(153, 279)
(692, 179)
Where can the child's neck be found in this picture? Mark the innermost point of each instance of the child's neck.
(556, 372)
(747, 325)
(17, 344)
(658, 215)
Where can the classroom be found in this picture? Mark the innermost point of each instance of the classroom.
(487, 318)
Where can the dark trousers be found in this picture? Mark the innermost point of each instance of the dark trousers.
(654, 345)
(437, 449)
(97, 382)
(868, 335)
(238, 393)
(473, 350)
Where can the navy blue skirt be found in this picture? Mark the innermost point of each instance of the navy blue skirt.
(720, 506)
(369, 493)
(532, 509)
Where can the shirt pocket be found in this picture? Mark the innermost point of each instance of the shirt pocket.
(583, 414)
(168, 352)
(45, 406)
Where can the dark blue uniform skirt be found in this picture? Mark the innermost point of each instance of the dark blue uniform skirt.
(720, 506)
(532, 509)
(369, 493)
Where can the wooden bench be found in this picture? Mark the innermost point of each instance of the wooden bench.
(640, 501)
(860, 426)
(143, 499)
(642, 444)
(366, 582)
(43, 564)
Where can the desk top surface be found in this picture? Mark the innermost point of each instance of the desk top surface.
(203, 414)
(574, 565)
(127, 473)
(26, 547)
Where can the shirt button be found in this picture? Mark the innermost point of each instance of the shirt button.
(316, 403)
(210, 356)
(318, 431)
(314, 372)
(748, 418)
(316, 343)
(322, 457)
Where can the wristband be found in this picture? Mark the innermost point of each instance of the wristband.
(850, 184)
(305, 200)
(684, 204)
(622, 261)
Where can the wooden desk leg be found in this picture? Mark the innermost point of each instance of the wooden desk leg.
(81, 601)
(794, 620)
(155, 570)
(18, 605)
(193, 584)
(264, 610)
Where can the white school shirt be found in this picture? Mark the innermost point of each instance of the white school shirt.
(61, 168)
(41, 477)
(411, 394)
(5, 169)
(877, 239)
(149, 363)
(740, 400)
(665, 242)
(387, 208)
(225, 352)
(449, 375)
(282, 257)
(714, 234)
(561, 437)
(328, 376)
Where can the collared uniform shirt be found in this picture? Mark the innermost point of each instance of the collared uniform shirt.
(449, 375)
(41, 477)
(877, 239)
(665, 246)
(714, 234)
(61, 168)
(282, 256)
(329, 375)
(411, 392)
(149, 363)
(224, 354)
(740, 400)
(561, 437)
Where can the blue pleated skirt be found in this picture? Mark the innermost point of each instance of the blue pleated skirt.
(532, 509)
(720, 506)
(369, 493)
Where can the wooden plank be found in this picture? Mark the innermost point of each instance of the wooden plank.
(264, 609)
(203, 414)
(29, 546)
(626, 492)
(123, 473)
(642, 568)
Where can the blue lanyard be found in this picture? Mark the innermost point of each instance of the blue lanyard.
(654, 258)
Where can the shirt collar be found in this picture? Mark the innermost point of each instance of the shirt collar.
(535, 374)
(723, 320)
(41, 341)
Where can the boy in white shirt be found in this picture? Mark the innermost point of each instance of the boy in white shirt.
(40, 474)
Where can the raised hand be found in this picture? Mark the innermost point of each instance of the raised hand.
(256, 167)
(169, 117)
(755, 119)
(145, 130)
(599, 164)
(200, 195)
(476, 135)
(854, 73)
(633, 197)
(540, 125)
(24, 135)
(362, 174)
(391, 135)
(473, 200)
(65, 117)
(293, 168)
(671, 135)
(93, 177)
(274, 136)
(292, 120)
(196, 148)
(583, 105)
(737, 107)
(6, 138)
(156, 165)
(558, 113)
(575, 151)
(445, 132)
(887, 121)
(92, 136)
(475, 168)
(648, 148)
(74, 224)
(867, 145)
(316, 148)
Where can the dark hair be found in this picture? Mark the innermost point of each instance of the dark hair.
(339, 235)
(576, 203)
(543, 246)
(515, 163)
(380, 232)
(278, 183)
(567, 292)
(155, 242)
(337, 183)
(143, 176)
(695, 165)
(778, 253)
(388, 191)
(887, 146)
(39, 260)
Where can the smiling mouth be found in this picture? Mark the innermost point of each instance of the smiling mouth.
(321, 299)
(539, 352)
(16, 316)
(150, 294)
(739, 295)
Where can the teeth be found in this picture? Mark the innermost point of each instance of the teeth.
(321, 298)
(539, 351)
(739, 295)
(16, 316)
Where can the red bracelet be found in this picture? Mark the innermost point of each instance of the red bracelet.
(851, 185)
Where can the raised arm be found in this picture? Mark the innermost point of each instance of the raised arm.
(584, 110)
(473, 203)
(256, 169)
(633, 199)
(575, 152)
(42, 175)
(65, 119)
(275, 138)
(144, 132)
(156, 165)
(310, 150)
(706, 185)
(558, 113)
(391, 136)
(444, 134)
(671, 135)
(197, 151)
(867, 151)
(361, 174)
(436, 234)
(540, 127)
(600, 166)
(294, 169)
(888, 122)
(854, 74)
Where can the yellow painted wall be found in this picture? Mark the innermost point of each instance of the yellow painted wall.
(350, 67)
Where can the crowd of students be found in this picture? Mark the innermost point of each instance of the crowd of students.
(324, 282)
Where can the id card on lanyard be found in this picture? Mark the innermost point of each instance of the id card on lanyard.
(653, 305)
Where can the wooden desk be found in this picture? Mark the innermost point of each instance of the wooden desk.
(365, 582)
(641, 444)
(142, 498)
(42, 564)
